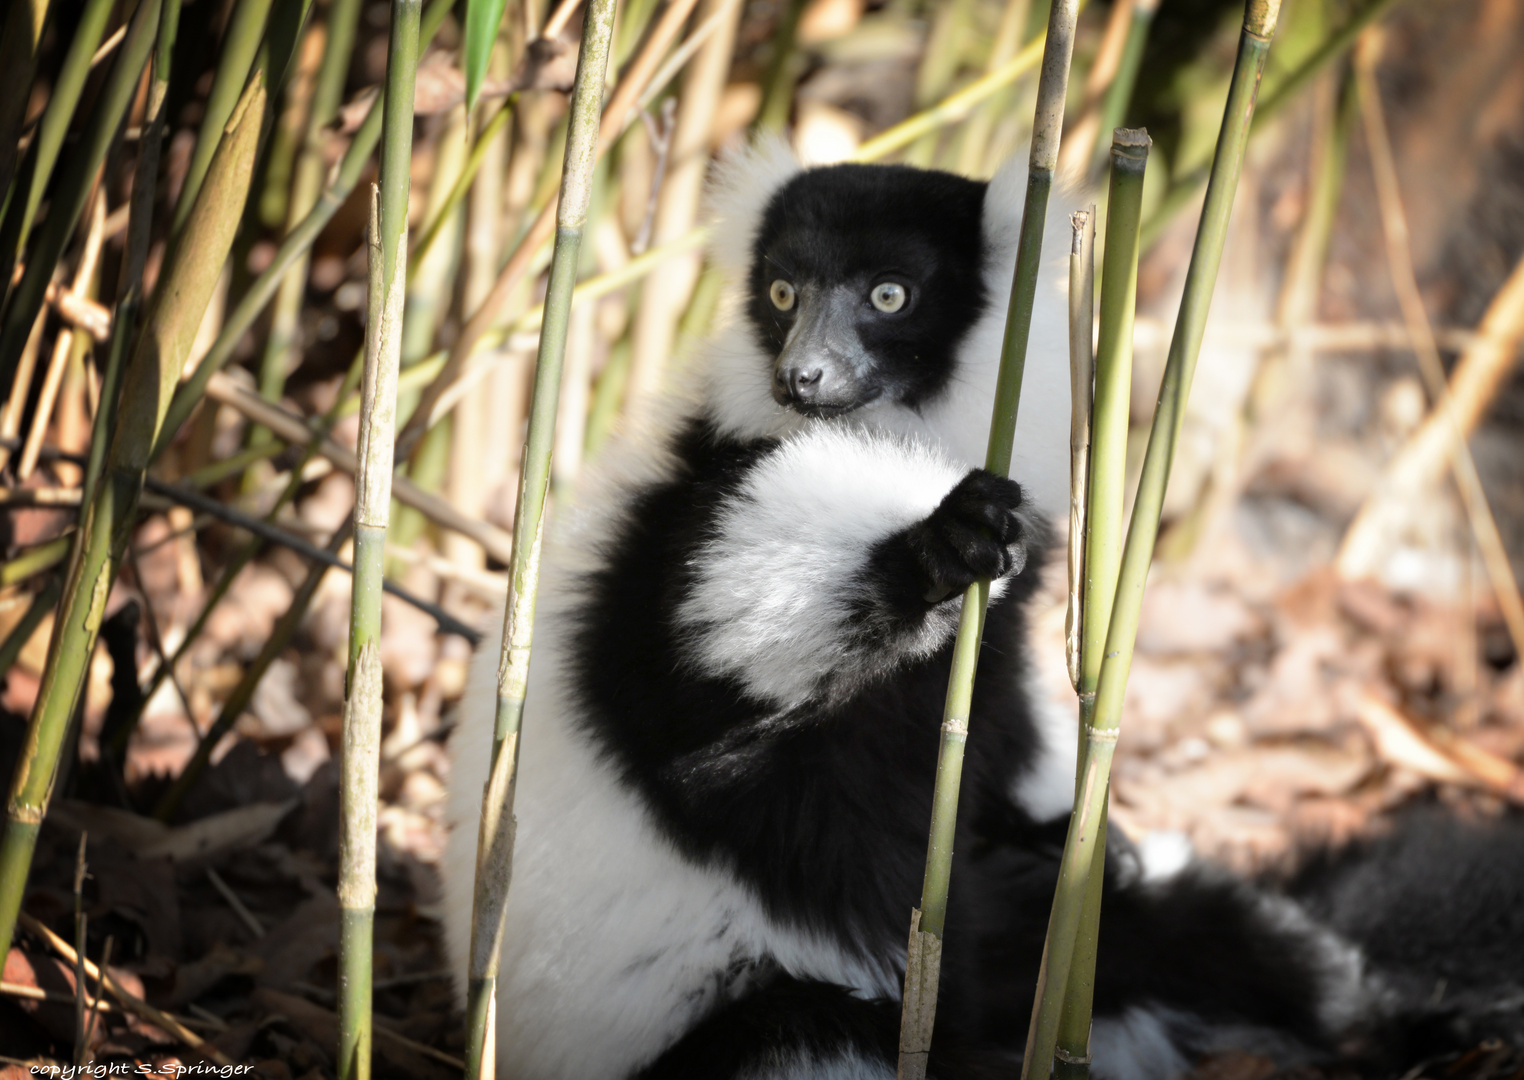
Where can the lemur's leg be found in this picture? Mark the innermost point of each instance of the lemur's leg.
(793, 1029)
(838, 557)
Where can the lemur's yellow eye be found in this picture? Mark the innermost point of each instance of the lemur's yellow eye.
(782, 295)
(888, 297)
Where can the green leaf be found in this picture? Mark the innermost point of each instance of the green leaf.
(483, 17)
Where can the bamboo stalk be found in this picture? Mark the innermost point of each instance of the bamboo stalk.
(359, 776)
(429, 292)
(34, 560)
(42, 603)
(485, 317)
(18, 61)
(468, 482)
(188, 280)
(924, 957)
(240, 41)
(42, 155)
(281, 345)
(1086, 837)
(1103, 517)
(296, 243)
(665, 297)
(1374, 523)
(494, 861)
(124, 324)
(74, 185)
(1119, 93)
(1282, 91)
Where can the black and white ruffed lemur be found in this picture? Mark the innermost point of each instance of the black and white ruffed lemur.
(732, 725)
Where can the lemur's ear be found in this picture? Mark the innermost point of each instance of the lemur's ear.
(741, 185)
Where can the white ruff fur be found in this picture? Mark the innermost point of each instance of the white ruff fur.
(615, 942)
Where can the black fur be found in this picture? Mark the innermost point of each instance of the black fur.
(860, 225)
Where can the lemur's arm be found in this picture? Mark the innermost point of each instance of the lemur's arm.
(840, 556)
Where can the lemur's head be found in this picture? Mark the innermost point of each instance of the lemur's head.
(864, 280)
(875, 295)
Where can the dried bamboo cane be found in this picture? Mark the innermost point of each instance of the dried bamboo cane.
(147, 382)
(1374, 522)
(494, 859)
(1085, 840)
(924, 958)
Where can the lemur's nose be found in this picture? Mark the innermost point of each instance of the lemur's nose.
(801, 384)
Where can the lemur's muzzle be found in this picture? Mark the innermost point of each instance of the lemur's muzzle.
(823, 369)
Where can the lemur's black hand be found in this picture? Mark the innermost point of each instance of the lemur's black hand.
(975, 533)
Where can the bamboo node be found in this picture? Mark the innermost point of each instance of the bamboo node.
(1100, 734)
(22, 814)
(1260, 17)
(1070, 1059)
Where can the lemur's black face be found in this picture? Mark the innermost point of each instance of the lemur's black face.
(864, 280)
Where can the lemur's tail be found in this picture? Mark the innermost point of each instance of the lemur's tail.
(1436, 906)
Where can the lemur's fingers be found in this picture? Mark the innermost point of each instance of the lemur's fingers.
(987, 499)
(974, 533)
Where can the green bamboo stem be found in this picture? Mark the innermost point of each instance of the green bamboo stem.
(923, 964)
(42, 603)
(1282, 92)
(124, 322)
(74, 184)
(1119, 288)
(494, 861)
(1085, 826)
(361, 761)
(296, 244)
(48, 141)
(240, 41)
(170, 329)
(1119, 93)
(34, 560)
(306, 185)
(18, 62)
